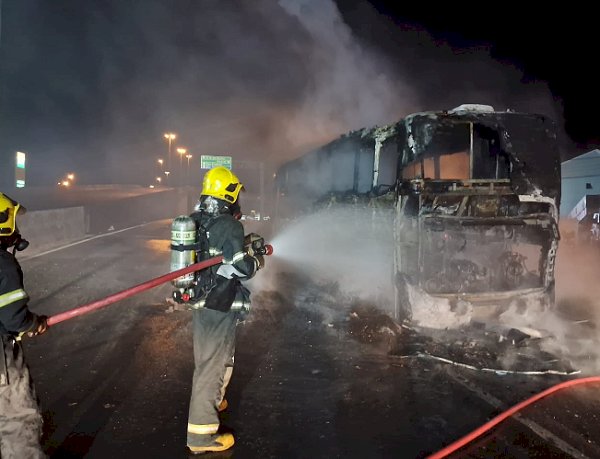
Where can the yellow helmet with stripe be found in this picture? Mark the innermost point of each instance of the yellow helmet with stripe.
(221, 183)
(9, 208)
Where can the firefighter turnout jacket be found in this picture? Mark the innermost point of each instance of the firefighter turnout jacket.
(20, 416)
(15, 317)
(226, 237)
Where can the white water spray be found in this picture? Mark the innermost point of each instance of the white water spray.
(344, 246)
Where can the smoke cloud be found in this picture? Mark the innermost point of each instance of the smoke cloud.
(574, 323)
(94, 89)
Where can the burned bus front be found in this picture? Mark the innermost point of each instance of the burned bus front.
(476, 223)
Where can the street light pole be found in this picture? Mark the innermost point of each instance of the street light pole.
(181, 151)
(188, 168)
(170, 136)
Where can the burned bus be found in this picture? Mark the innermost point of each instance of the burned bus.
(469, 197)
(478, 194)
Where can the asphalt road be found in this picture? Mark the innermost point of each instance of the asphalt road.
(315, 376)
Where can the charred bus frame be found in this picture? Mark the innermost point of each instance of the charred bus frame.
(477, 210)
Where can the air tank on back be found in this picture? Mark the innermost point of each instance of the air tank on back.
(183, 238)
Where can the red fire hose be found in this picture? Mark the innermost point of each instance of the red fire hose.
(453, 447)
(53, 320)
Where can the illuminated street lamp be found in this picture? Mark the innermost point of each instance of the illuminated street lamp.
(181, 151)
(158, 179)
(167, 174)
(71, 176)
(161, 162)
(170, 136)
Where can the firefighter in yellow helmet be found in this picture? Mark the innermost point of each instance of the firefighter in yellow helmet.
(20, 418)
(217, 312)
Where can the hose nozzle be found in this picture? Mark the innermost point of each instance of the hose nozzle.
(256, 244)
(268, 249)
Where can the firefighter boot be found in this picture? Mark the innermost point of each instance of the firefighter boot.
(220, 442)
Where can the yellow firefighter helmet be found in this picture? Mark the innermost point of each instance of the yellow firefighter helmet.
(9, 209)
(221, 183)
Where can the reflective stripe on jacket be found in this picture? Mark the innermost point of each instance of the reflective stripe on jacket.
(11, 297)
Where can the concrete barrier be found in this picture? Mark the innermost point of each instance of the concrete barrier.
(46, 229)
(51, 228)
(134, 210)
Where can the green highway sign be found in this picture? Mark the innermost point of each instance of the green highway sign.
(208, 161)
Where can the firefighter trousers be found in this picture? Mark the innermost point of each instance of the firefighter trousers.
(214, 346)
(20, 417)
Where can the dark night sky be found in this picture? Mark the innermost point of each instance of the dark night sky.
(554, 45)
(91, 86)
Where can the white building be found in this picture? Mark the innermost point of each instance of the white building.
(580, 178)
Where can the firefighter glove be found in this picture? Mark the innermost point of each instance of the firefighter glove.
(40, 325)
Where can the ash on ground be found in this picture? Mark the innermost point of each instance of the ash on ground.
(485, 347)
(476, 345)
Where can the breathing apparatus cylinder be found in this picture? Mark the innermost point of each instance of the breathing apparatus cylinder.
(183, 254)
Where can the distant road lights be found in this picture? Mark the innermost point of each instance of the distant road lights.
(158, 179)
(68, 180)
(167, 174)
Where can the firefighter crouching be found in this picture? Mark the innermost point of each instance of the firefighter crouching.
(20, 417)
(218, 300)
